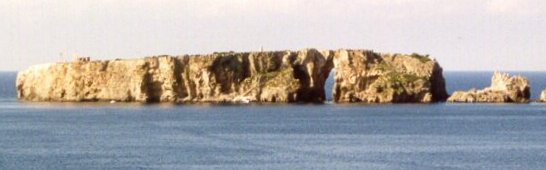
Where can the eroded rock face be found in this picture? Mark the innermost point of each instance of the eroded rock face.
(365, 76)
(504, 88)
(280, 76)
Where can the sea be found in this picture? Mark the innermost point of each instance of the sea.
(275, 136)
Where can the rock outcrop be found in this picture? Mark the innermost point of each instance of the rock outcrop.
(280, 76)
(543, 96)
(365, 76)
(503, 89)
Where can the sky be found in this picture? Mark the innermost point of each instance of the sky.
(503, 35)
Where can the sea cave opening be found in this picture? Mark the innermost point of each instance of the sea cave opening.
(329, 86)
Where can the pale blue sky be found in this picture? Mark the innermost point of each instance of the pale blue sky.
(461, 34)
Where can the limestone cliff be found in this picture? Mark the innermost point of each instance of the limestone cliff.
(365, 76)
(504, 88)
(280, 76)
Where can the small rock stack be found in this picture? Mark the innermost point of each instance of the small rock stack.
(543, 96)
(504, 89)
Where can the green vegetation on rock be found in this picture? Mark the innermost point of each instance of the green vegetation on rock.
(421, 58)
(280, 78)
(383, 66)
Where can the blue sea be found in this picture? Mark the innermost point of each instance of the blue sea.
(275, 136)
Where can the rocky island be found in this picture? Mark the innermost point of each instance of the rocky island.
(504, 89)
(365, 76)
(276, 76)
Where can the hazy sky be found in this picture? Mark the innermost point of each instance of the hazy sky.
(460, 34)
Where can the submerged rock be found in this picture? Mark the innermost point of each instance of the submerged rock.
(279, 76)
(504, 88)
(365, 76)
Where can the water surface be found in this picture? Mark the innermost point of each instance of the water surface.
(274, 136)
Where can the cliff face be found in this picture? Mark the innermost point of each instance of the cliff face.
(504, 88)
(365, 76)
(262, 76)
(282, 76)
(120, 80)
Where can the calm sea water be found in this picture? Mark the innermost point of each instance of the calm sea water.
(275, 136)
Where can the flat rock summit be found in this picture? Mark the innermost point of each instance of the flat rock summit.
(276, 76)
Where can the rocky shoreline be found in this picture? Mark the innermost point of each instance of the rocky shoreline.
(362, 76)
